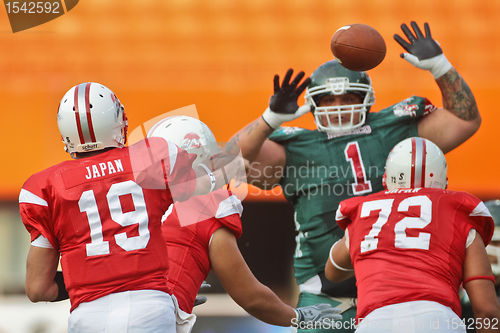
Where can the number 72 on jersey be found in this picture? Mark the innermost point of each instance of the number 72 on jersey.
(401, 240)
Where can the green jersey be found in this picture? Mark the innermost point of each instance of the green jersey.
(322, 170)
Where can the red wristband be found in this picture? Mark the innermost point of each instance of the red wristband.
(480, 277)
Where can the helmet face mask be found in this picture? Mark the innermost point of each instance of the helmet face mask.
(189, 134)
(91, 118)
(415, 163)
(331, 78)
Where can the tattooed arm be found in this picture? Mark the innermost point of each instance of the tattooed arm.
(459, 118)
(267, 158)
(250, 139)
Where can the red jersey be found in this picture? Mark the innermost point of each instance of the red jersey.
(409, 244)
(103, 214)
(188, 246)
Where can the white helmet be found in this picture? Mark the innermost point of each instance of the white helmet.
(415, 162)
(90, 118)
(188, 133)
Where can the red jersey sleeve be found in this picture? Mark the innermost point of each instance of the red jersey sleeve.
(228, 214)
(34, 210)
(479, 217)
(231, 219)
(345, 211)
(219, 203)
(207, 228)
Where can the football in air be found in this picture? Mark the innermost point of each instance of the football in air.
(358, 47)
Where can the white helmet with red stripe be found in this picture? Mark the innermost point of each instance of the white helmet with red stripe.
(188, 133)
(90, 118)
(415, 162)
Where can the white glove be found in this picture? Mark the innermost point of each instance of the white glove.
(274, 119)
(438, 65)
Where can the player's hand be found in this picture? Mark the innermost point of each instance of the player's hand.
(202, 299)
(423, 51)
(317, 313)
(283, 103)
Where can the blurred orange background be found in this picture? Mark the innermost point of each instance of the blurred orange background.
(221, 55)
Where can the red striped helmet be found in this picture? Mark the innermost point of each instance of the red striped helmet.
(90, 118)
(415, 162)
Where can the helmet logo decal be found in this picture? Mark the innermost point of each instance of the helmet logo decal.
(90, 146)
(338, 85)
(403, 109)
(190, 141)
(117, 103)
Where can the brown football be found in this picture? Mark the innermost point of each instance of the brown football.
(358, 47)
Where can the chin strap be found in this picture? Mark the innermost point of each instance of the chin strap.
(210, 174)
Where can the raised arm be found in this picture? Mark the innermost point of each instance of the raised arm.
(267, 158)
(459, 117)
(257, 299)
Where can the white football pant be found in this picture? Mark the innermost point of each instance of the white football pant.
(138, 311)
(414, 317)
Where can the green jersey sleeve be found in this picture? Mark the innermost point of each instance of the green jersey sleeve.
(284, 134)
(408, 111)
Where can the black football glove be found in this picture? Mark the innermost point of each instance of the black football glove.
(423, 51)
(283, 103)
